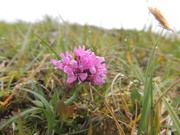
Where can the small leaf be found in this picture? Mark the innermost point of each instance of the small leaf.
(38, 103)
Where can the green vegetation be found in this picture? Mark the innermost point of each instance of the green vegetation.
(141, 93)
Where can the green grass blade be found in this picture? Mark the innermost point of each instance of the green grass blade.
(43, 42)
(26, 112)
(147, 102)
(173, 115)
(41, 98)
(48, 111)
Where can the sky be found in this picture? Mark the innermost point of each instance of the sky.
(130, 14)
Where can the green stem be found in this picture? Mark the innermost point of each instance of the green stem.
(72, 98)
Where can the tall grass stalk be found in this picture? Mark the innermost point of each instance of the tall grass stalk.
(147, 115)
(147, 103)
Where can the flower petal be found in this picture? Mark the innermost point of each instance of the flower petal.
(98, 80)
(54, 62)
(68, 70)
(58, 64)
(83, 76)
(71, 79)
(92, 70)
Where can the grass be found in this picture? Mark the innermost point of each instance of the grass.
(141, 93)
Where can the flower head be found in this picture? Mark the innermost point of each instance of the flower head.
(84, 67)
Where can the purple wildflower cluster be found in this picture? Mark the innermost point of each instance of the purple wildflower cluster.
(84, 67)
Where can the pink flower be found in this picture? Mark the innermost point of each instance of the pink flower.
(84, 67)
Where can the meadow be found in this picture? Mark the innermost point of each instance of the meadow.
(140, 95)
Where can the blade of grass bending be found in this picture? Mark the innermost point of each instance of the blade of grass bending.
(48, 111)
(147, 102)
(72, 98)
(42, 99)
(3, 125)
(169, 108)
(48, 46)
(167, 90)
(173, 115)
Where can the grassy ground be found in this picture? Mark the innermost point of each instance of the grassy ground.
(141, 93)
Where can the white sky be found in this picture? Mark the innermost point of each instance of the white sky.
(104, 13)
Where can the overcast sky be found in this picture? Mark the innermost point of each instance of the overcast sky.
(104, 13)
